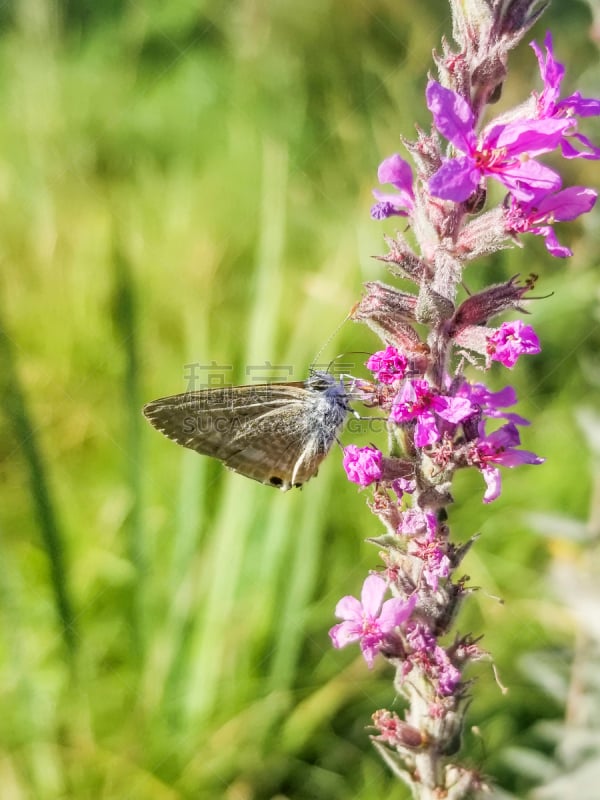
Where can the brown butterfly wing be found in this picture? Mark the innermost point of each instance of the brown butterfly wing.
(263, 432)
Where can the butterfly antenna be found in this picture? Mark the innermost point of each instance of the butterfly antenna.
(343, 355)
(328, 342)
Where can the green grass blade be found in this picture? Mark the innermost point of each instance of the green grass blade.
(50, 530)
(126, 323)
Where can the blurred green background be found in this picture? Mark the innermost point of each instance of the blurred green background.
(189, 182)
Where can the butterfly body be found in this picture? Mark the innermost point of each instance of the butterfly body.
(275, 433)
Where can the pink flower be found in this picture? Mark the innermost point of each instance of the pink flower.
(403, 486)
(448, 676)
(436, 563)
(492, 403)
(511, 340)
(363, 465)
(414, 522)
(550, 106)
(419, 401)
(369, 621)
(538, 217)
(500, 447)
(503, 152)
(397, 172)
(388, 365)
(432, 659)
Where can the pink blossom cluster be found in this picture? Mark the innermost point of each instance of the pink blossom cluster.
(452, 427)
(505, 150)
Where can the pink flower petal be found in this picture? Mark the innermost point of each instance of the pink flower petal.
(493, 481)
(349, 608)
(344, 633)
(372, 593)
(396, 611)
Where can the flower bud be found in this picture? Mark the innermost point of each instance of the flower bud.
(401, 260)
(390, 314)
(395, 732)
(479, 308)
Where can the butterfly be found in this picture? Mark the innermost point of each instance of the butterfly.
(275, 433)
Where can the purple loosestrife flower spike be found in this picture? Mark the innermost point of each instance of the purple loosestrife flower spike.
(438, 422)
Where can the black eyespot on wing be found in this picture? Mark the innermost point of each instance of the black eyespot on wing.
(275, 481)
(297, 485)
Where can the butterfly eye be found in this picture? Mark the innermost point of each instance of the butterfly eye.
(319, 383)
